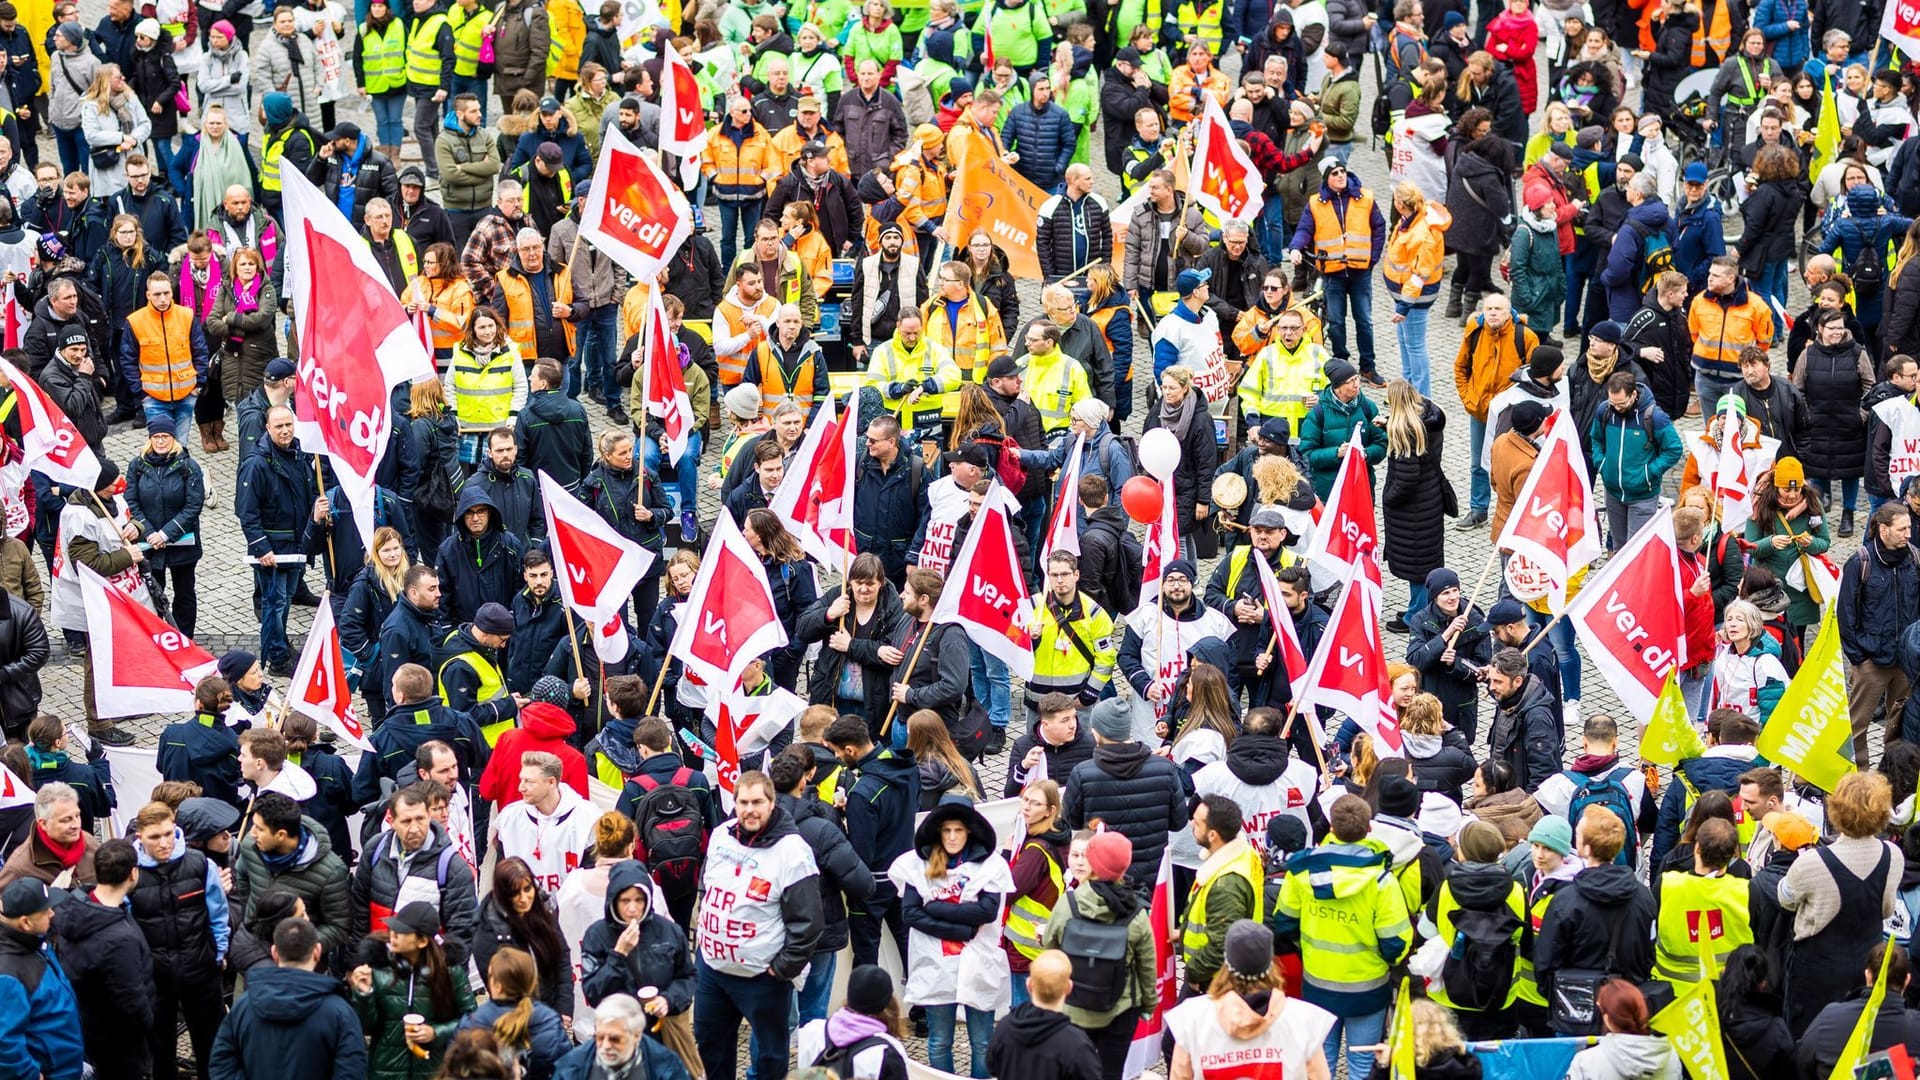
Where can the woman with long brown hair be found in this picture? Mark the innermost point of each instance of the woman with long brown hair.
(527, 1030)
(518, 913)
(944, 771)
(793, 585)
(444, 293)
(241, 324)
(436, 437)
(403, 973)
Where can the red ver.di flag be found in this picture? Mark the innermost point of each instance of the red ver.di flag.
(1900, 24)
(1145, 1050)
(728, 620)
(1349, 669)
(683, 115)
(50, 441)
(1630, 615)
(1347, 528)
(319, 687)
(1222, 178)
(1063, 531)
(815, 497)
(356, 344)
(596, 567)
(986, 593)
(140, 663)
(743, 725)
(634, 214)
(665, 384)
(1554, 523)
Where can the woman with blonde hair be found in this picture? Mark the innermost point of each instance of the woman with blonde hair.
(444, 293)
(1558, 128)
(1039, 880)
(527, 1029)
(944, 771)
(240, 326)
(1417, 488)
(1247, 1016)
(1441, 757)
(368, 603)
(1415, 261)
(114, 123)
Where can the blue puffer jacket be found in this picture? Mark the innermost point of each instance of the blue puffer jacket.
(1865, 230)
(1044, 139)
(39, 1016)
(1791, 48)
(1702, 239)
(1718, 770)
(274, 499)
(1632, 452)
(1623, 259)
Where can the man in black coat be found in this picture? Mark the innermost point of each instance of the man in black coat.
(1579, 929)
(512, 488)
(840, 215)
(1019, 419)
(107, 960)
(1527, 726)
(423, 219)
(1036, 1041)
(1074, 227)
(696, 276)
(552, 430)
(65, 305)
(294, 1022)
(161, 222)
(348, 157)
(883, 793)
(1135, 792)
(1109, 553)
(539, 623)
(23, 652)
(409, 633)
(424, 719)
(274, 500)
(1124, 90)
(886, 497)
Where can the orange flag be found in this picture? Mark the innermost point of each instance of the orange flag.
(988, 194)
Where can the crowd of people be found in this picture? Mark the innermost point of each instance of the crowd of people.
(536, 871)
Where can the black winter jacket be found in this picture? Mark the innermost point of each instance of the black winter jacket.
(1576, 932)
(1416, 531)
(660, 960)
(1032, 1043)
(1836, 440)
(79, 397)
(1055, 232)
(885, 509)
(169, 905)
(23, 652)
(1138, 794)
(1756, 1041)
(166, 494)
(844, 878)
(291, 1024)
(1459, 692)
(1826, 1038)
(554, 435)
(477, 570)
(516, 495)
(107, 960)
(378, 876)
(1199, 457)
(274, 499)
(1104, 538)
(881, 629)
(1527, 734)
(942, 677)
(492, 932)
(1061, 760)
(539, 626)
(1879, 598)
(883, 794)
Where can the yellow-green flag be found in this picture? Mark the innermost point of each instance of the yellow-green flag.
(1863, 1028)
(1670, 737)
(1400, 1060)
(1692, 1026)
(1809, 731)
(1826, 134)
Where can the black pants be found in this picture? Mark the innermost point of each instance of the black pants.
(199, 999)
(1114, 1042)
(1476, 273)
(881, 910)
(183, 602)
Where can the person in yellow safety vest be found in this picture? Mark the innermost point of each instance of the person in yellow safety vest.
(1074, 647)
(164, 352)
(538, 299)
(791, 368)
(1353, 926)
(794, 285)
(1229, 886)
(1495, 906)
(288, 144)
(1285, 378)
(1549, 866)
(470, 22)
(486, 379)
(469, 669)
(1198, 76)
(430, 53)
(1702, 910)
(392, 248)
(741, 323)
(546, 188)
(967, 327)
(980, 118)
(900, 368)
(380, 67)
(1039, 878)
(807, 128)
(1055, 382)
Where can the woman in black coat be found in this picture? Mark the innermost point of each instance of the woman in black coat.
(635, 946)
(119, 277)
(435, 435)
(865, 634)
(794, 590)
(1492, 87)
(1835, 374)
(155, 80)
(1451, 680)
(1769, 214)
(1416, 530)
(1900, 328)
(1671, 58)
(613, 489)
(518, 913)
(1480, 199)
(1753, 1026)
(1183, 411)
(165, 492)
(991, 278)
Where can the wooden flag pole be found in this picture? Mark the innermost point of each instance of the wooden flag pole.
(573, 639)
(320, 482)
(887, 725)
(1492, 558)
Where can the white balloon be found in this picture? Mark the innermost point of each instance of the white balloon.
(1159, 453)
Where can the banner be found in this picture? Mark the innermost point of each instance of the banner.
(141, 665)
(728, 620)
(52, 444)
(1902, 418)
(1670, 736)
(356, 344)
(1630, 616)
(989, 196)
(319, 687)
(1400, 1039)
(1223, 179)
(1810, 731)
(1692, 1026)
(986, 591)
(1553, 523)
(634, 214)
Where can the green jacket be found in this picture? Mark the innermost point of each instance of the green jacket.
(395, 994)
(1143, 989)
(317, 876)
(1340, 107)
(1327, 427)
(1801, 608)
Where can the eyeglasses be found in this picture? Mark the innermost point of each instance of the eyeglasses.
(1273, 288)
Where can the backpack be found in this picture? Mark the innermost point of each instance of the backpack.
(1656, 257)
(1869, 274)
(1478, 970)
(1382, 117)
(435, 493)
(1006, 462)
(840, 1058)
(673, 833)
(447, 853)
(1607, 790)
(1099, 954)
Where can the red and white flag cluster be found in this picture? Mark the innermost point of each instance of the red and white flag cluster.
(815, 497)
(1555, 524)
(986, 592)
(596, 568)
(140, 663)
(319, 687)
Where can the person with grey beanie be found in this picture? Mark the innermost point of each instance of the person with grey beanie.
(1134, 791)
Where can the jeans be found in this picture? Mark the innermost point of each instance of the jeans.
(1480, 486)
(1020, 995)
(1625, 518)
(426, 130)
(1274, 231)
(1772, 284)
(940, 1021)
(1034, 517)
(736, 218)
(73, 149)
(818, 988)
(160, 153)
(1340, 151)
(1849, 492)
(596, 363)
(1122, 388)
(275, 585)
(475, 85)
(180, 411)
(1417, 599)
(685, 493)
(721, 1001)
(390, 117)
(991, 685)
(1411, 330)
(1561, 638)
(1367, 1030)
(1710, 387)
(1356, 288)
(1697, 691)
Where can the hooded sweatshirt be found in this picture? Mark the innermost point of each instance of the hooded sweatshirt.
(1627, 1057)
(294, 1024)
(1265, 781)
(660, 959)
(1032, 1043)
(543, 727)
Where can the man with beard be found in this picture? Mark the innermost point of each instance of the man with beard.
(539, 623)
(512, 489)
(1154, 652)
(1235, 591)
(885, 284)
(407, 636)
(838, 211)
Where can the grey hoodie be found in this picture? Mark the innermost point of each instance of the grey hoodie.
(1627, 1057)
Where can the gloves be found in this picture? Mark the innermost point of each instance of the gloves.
(233, 79)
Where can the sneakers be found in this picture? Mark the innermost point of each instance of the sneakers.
(1471, 520)
(1373, 379)
(618, 415)
(112, 736)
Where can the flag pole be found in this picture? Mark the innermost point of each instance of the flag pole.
(658, 681)
(887, 724)
(1492, 557)
(320, 482)
(1293, 709)
(573, 639)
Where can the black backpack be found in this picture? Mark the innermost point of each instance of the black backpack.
(435, 493)
(1607, 789)
(673, 833)
(1869, 274)
(840, 1058)
(1099, 954)
(1478, 971)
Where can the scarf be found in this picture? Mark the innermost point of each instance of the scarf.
(1178, 418)
(1598, 369)
(281, 862)
(292, 46)
(246, 295)
(217, 166)
(68, 854)
(253, 701)
(349, 175)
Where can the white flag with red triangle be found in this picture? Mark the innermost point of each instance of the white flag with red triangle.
(1286, 639)
(611, 640)
(986, 591)
(683, 114)
(596, 567)
(1145, 1050)
(1347, 526)
(356, 344)
(634, 214)
(1631, 616)
(743, 725)
(1162, 546)
(1222, 178)
(1063, 530)
(665, 385)
(13, 790)
(141, 664)
(1348, 672)
(319, 687)
(1732, 480)
(815, 497)
(51, 442)
(1554, 523)
(728, 620)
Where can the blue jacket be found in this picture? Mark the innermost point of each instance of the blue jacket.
(886, 507)
(1712, 772)
(91, 779)
(476, 570)
(1870, 629)
(1791, 48)
(881, 807)
(657, 1063)
(274, 499)
(408, 726)
(39, 1016)
(166, 495)
(406, 637)
(1622, 268)
(547, 1041)
(573, 150)
(1701, 240)
(1044, 138)
(291, 1025)
(206, 751)
(538, 627)
(1376, 224)
(1631, 453)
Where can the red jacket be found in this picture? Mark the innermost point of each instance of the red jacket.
(542, 727)
(1513, 38)
(1538, 190)
(1696, 611)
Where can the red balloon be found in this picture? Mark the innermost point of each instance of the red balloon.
(1142, 498)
